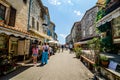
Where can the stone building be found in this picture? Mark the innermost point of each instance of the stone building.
(38, 18)
(68, 39)
(52, 30)
(73, 32)
(47, 24)
(21, 23)
(108, 23)
(46, 21)
(88, 24)
(55, 36)
(78, 35)
(14, 23)
(14, 38)
(84, 31)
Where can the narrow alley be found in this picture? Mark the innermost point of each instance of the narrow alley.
(61, 66)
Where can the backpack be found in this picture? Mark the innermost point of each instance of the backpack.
(46, 49)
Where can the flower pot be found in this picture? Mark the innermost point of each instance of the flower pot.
(1, 21)
(104, 63)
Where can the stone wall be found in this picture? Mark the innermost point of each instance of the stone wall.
(88, 21)
(35, 13)
(21, 13)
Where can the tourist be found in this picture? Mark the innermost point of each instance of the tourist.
(35, 53)
(45, 53)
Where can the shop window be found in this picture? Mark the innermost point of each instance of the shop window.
(33, 22)
(12, 17)
(37, 26)
(2, 12)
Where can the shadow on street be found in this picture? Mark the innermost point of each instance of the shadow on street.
(14, 73)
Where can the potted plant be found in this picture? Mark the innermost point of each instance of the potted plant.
(78, 52)
(104, 60)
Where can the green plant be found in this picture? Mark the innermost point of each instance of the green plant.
(78, 52)
(103, 58)
(104, 61)
(100, 14)
(94, 45)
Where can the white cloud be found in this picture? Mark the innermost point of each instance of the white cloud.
(70, 2)
(78, 13)
(59, 2)
(63, 35)
(54, 2)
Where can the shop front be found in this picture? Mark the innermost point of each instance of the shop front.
(10, 48)
(114, 39)
(116, 33)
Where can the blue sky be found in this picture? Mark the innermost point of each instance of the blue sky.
(65, 12)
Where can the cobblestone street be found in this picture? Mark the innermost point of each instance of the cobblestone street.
(61, 66)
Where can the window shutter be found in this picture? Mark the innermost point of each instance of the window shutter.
(12, 17)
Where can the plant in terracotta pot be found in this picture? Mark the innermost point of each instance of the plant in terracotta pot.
(104, 60)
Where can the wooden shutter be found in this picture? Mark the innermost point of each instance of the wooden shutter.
(2, 12)
(12, 17)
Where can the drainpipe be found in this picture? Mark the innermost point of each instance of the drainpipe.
(28, 25)
(30, 2)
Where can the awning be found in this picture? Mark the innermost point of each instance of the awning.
(54, 42)
(109, 17)
(82, 42)
(40, 34)
(13, 32)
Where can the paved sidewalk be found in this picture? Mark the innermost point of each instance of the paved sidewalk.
(61, 66)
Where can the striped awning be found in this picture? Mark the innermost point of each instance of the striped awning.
(109, 17)
(13, 32)
(40, 34)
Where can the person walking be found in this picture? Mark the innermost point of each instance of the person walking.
(50, 50)
(35, 53)
(71, 47)
(45, 53)
(58, 48)
(40, 51)
(62, 47)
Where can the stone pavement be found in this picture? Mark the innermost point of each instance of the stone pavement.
(61, 66)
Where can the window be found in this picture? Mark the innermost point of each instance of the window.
(12, 17)
(84, 33)
(2, 12)
(90, 30)
(33, 22)
(38, 26)
(25, 1)
(116, 30)
(116, 27)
